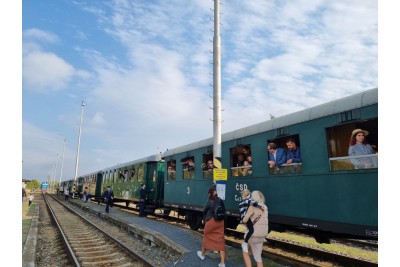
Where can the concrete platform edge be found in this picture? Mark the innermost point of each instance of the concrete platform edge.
(29, 251)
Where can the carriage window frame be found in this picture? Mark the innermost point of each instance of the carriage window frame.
(141, 173)
(132, 174)
(125, 174)
(207, 170)
(120, 175)
(285, 168)
(239, 167)
(171, 170)
(188, 168)
(337, 140)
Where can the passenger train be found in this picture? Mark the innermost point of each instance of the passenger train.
(328, 194)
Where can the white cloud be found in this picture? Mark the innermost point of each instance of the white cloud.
(38, 35)
(46, 71)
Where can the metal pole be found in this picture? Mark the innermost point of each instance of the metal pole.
(55, 172)
(216, 89)
(62, 161)
(77, 152)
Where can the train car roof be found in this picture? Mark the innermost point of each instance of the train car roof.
(156, 157)
(89, 174)
(355, 101)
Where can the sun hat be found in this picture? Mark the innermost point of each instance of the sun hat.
(356, 131)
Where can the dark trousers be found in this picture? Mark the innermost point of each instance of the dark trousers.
(108, 206)
(66, 197)
(142, 207)
(250, 226)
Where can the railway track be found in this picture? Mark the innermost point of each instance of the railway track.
(87, 244)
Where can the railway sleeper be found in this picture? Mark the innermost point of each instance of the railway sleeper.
(100, 257)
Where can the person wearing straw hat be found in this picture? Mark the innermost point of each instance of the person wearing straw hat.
(358, 144)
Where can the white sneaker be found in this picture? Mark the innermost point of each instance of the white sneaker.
(221, 265)
(200, 256)
(244, 247)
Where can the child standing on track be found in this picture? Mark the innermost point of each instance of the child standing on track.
(243, 206)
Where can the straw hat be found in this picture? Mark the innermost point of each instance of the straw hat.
(356, 131)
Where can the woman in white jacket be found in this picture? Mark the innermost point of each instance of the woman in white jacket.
(259, 217)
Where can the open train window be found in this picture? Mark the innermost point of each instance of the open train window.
(125, 175)
(120, 176)
(171, 170)
(241, 161)
(188, 167)
(114, 176)
(361, 156)
(284, 155)
(140, 174)
(207, 165)
(133, 171)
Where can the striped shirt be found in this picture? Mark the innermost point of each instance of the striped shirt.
(245, 204)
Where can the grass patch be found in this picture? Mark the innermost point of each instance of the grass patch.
(27, 213)
(334, 247)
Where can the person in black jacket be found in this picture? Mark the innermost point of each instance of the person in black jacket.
(108, 198)
(213, 238)
(143, 197)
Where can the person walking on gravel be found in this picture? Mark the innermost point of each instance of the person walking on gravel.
(66, 194)
(108, 198)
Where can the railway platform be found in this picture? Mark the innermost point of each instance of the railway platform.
(184, 241)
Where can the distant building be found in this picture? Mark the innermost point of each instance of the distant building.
(24, 182)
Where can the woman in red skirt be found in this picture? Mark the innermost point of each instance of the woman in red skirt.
(214, 238)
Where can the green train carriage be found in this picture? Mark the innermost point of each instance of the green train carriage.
(126, 179)
(92, 182)
(327, 194)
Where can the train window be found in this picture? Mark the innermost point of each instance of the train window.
(171, 170)
(125, 175)
(140, 174)
(241, 161)
(133, 174)
(361, 156)
(207, 165)
(188, 167)
(284, 155)
(120, 177)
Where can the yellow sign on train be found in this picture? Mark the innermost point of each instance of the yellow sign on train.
(220, 174)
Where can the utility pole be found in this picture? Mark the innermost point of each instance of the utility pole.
(77, 152)
(216, 89)
(62, 161)
(55, 172)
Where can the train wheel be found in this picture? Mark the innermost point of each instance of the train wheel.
(194, 221)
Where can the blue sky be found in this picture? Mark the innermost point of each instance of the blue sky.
(142, 68)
